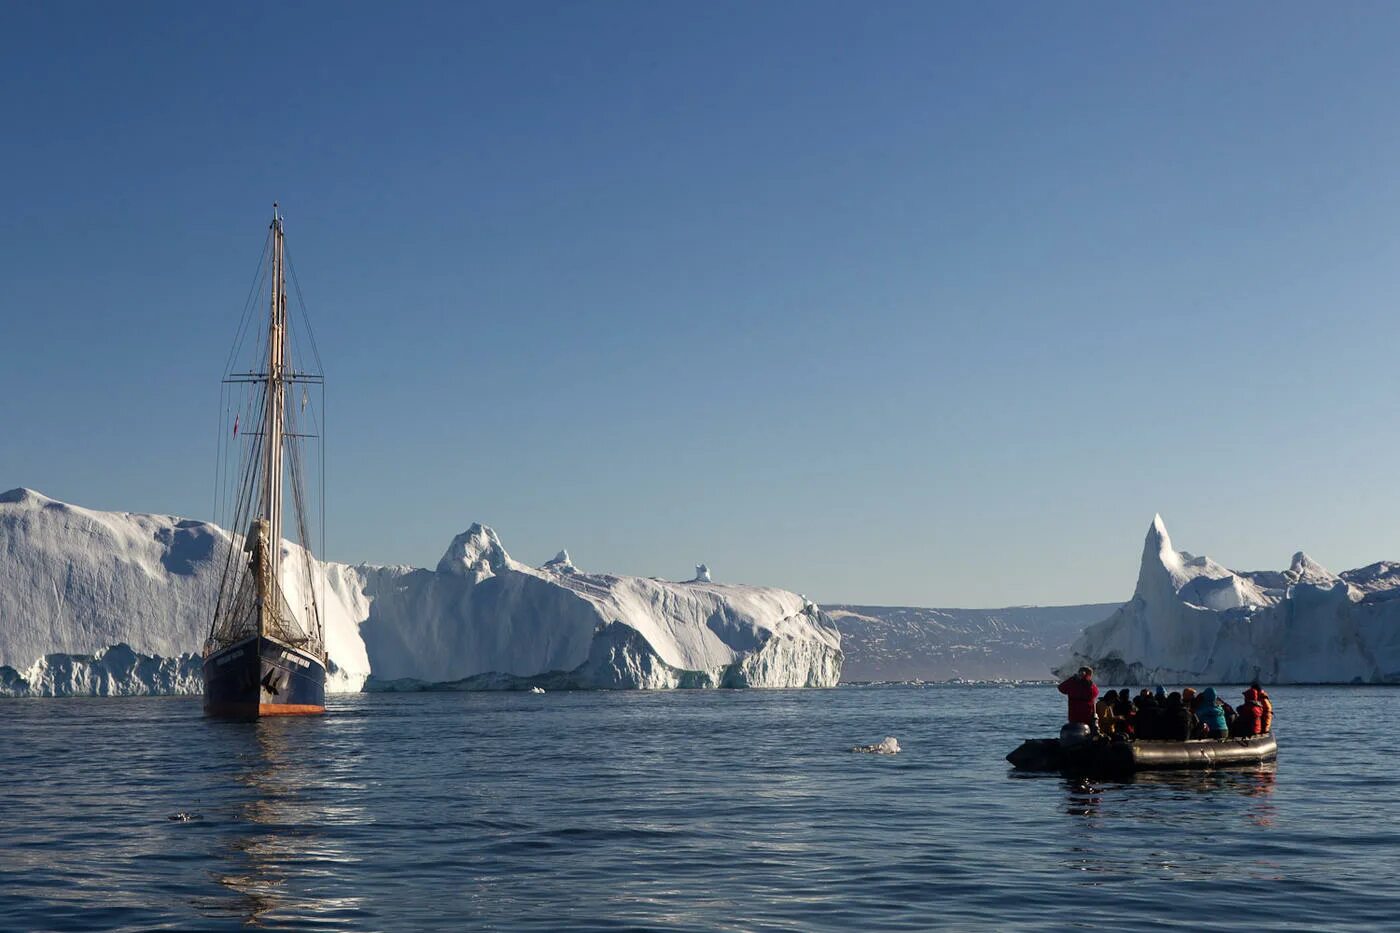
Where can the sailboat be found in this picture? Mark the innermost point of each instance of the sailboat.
(264, 657)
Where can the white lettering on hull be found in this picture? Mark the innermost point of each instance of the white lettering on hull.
(295, 659)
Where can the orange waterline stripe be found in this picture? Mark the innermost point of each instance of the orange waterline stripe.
(289, 709)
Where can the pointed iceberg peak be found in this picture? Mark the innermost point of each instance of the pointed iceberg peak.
(702, 574)
(1304, 569)
(1163, 569)
(477, 552)
(1158, 532)
(561, 563)
(1157, 548)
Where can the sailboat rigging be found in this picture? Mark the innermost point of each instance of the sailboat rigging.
(266, 654)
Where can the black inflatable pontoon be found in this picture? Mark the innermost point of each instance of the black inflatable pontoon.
(1104, 755)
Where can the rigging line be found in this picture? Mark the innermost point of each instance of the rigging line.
(229, 448)
(226, 451)
(228, 413)
(301, 303)
(226, 605)
(311, 410)
(229, 603)
(245, 459)
(221, 455)
(218, 454)
(253, 289)
(306, 537)
(260, 347)
(241, 493)
(242, 575)
(316, 624)
(305, 314)
(322, 444)
(299, 504)
(240, 339)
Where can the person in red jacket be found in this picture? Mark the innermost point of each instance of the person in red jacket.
(1081, 691)
(1249, 718)
(1257, 694)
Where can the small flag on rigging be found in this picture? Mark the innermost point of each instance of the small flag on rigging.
(235, 425)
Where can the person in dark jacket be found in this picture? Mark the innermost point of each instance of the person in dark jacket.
(1124, 714)
(1210, 714)
(1145, 719)
(1177, 722)
(1229, 711)
(1081, 691)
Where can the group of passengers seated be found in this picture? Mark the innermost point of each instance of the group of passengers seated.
(1158, 715)
(1186, 715)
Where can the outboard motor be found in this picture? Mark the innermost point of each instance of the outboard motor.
(1074, 734)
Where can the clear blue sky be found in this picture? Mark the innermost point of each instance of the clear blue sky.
(922, 303)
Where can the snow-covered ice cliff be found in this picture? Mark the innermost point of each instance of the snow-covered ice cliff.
(114, 603)
(1193, 620)
(483, 613)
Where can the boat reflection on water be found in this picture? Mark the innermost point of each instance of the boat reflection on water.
(1256, 781)
(285, 862)
(1086, 797)
(1151, 808)
(1251, 780)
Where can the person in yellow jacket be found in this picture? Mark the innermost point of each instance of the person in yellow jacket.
(1103, 711)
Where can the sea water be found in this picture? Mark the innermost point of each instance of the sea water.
(687, 810)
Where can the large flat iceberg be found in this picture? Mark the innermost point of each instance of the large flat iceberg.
(484, 619)
(1193, 620)
(109, 603)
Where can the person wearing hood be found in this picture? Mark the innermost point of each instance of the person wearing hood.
(1081, 691)
(1210, 714)
(1249, 718)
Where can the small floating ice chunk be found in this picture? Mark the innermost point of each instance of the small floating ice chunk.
(183, 817)
(888, 746)
(537, 690)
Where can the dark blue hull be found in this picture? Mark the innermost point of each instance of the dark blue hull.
(262, 677)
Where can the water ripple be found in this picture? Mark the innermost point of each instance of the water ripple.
(676, 811)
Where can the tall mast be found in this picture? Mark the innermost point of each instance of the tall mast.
(273, 427)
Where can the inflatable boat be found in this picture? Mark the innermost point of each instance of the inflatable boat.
(1103, 755)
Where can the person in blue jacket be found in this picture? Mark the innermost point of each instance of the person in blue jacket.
(1211, 715)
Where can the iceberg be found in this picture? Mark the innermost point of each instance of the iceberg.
(482, 617)
(1194, 620)
(114, 671)
(82, 583)
(115, 603)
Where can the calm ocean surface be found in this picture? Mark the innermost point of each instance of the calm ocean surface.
(713, 810)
